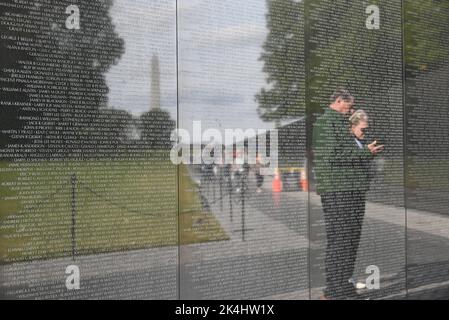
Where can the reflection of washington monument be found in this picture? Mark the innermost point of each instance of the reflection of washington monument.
(147, 119)
(155, 84)
(155, 124)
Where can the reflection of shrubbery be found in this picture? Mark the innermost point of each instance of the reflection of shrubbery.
(156, 127)
(111, 131)
(116, 133)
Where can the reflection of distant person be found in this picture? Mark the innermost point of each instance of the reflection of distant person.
(258, 174)
(340, 184)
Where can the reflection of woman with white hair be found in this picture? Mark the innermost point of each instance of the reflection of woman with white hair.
(359, 125)
(361, 175)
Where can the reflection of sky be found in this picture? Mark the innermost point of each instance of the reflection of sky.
(147, 27)
(219, 47)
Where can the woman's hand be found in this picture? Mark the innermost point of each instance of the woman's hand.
(374, 148)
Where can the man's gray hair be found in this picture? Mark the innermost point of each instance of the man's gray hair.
(358, 116)
(342, 93)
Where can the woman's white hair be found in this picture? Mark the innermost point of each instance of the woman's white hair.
(358, 116)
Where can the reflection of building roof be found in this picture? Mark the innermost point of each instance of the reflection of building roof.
(288, 122)
(284, 125)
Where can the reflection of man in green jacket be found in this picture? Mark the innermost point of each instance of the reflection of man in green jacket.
(339, 183)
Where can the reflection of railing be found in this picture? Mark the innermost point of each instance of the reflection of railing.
(44, 200)
(73, 205)
(236, 189)
(47, 198)
(75, 184)
(111, 202)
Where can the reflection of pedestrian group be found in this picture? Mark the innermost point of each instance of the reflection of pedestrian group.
(343, 172)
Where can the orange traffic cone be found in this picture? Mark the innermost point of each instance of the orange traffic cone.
(276, 185)
(304, 182)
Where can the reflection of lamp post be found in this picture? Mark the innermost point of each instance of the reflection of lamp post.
(219, 125)
(221, 170)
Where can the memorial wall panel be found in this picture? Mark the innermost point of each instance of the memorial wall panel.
(88, 193)
(357, 47)
(427, 118)
(242, 69)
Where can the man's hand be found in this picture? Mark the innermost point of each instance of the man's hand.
(374, 148)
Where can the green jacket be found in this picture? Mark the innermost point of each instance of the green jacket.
(340, 165)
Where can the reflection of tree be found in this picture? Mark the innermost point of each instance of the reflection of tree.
(340, 51)
(427, 67)
(283, 57)
(426, 34)
(8, 60)
(369, 62)
(68, 86)
(114, 130)
(156, 128)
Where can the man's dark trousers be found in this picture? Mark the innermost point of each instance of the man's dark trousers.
(343, 217)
